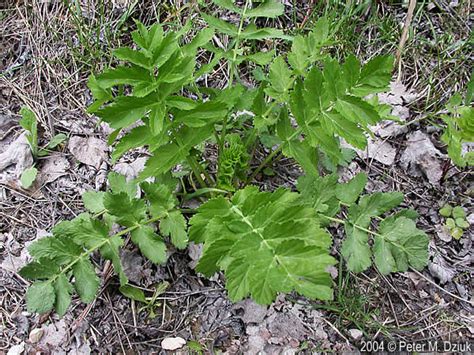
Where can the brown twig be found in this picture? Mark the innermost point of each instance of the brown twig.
(404, 37)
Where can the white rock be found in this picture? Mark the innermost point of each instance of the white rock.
(35, 335)
(173, 343)
(17, 349)
(355, 334)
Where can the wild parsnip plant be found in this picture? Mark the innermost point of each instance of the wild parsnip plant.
(265, 242)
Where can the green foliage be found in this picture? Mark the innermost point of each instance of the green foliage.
(304, 103)
(397, 244)
(233, 163)
(265, 243)
(459, 130)
(29, 123)
(28, 177)
(62, 262)
(455, 220)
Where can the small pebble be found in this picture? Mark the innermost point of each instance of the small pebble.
(355, 334)
(35, 335)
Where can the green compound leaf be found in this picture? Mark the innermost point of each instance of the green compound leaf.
(171, 154)
(160, 197)
(266, 243)
(355, 247)
(220, 25)
(40, 297)
(39, 270)
(118, 183)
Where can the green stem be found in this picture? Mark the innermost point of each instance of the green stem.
(271, 156)
(196, 170)
(232, 72)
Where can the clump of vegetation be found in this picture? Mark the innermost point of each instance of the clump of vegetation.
(265, 242)
(456, 220)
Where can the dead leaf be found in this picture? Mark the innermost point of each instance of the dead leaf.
(443, 233)
(252, 312)
(379, 150)
(441, 270)
(130, 170)
(35, 335)
(55, 334)
(398, 97)
(173, 343)
(90, 151)
(421, 157)
(52, 167)
(15, 159)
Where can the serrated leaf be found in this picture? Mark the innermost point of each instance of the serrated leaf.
(137, 137)
(357, 110)
(157, 119)
(280, 79)
(93, 201)
(63, 290)
(216, 207)
(100, 94)
(86, 281)
(111, 251)
(160, 198)
(350, 192)
(251, 32)
(268, 9)
(320, 193)
(203, 114)
(125, 110)
(40, 270)
(121, 75)
(59, 249)
(40, 297)
(398, 245)
(118, 183)
(150, 244)
(174, 226)
(28, 177)
(220, 25)
(129, 212)
(132, 56)
(374, 76)
(169, 155)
